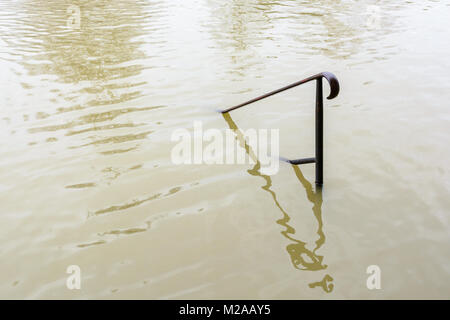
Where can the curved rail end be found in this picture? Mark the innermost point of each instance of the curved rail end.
(334, 84)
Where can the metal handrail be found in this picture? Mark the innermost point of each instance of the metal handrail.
(334, 91)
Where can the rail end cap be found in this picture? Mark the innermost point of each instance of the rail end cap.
(334, 84)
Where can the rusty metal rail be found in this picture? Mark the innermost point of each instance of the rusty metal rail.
(334, 91)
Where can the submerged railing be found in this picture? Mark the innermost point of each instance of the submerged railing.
(334, 91)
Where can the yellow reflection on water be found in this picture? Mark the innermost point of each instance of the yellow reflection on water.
(301, 257)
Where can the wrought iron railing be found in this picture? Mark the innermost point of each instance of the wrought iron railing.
(334, 91)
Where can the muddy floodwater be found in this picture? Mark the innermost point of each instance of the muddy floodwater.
(92, 91)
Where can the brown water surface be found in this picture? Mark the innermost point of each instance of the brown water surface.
(86, 177)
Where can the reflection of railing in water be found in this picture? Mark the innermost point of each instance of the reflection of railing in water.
(297, 249)
(334, 91)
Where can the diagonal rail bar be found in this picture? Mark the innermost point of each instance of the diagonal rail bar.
(334, 91)
(331, 78)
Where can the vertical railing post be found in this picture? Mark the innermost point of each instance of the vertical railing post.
(319, 132)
